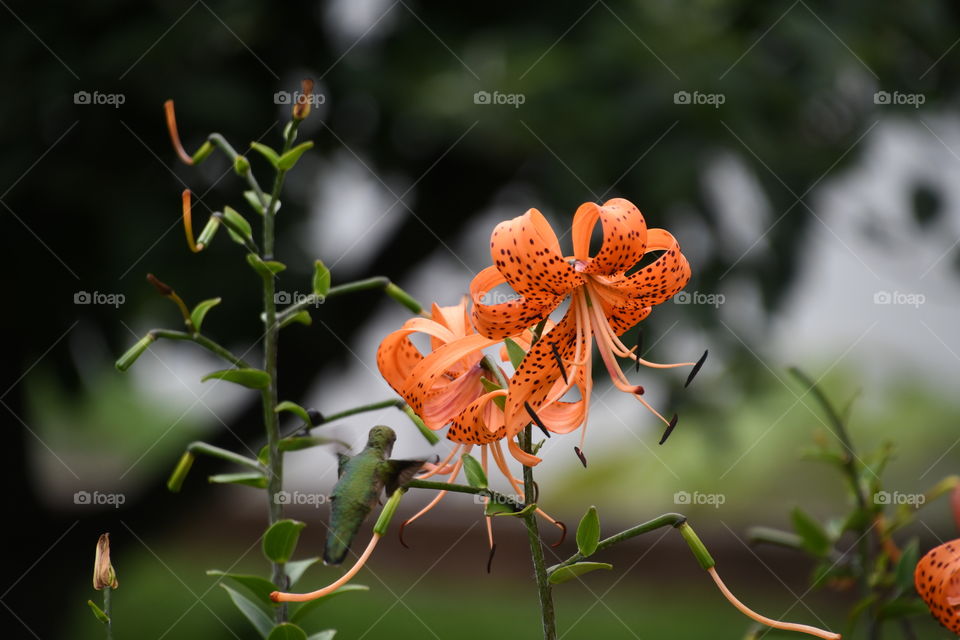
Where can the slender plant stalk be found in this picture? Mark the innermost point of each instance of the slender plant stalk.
(370, 284)
(106, 609)
(204, 342)
(544, 589)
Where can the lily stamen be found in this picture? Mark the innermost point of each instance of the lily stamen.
(280, 596)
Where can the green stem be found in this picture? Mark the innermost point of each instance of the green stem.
(666, 520)
(106, 609)
(204, 342)
(383, 404)
(370, 284)
(270, 395)
(224, 454)
(231, 153)
(462, 488)
(544, 588)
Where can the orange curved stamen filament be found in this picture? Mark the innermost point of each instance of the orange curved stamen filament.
(174, 135)
(786, 626)
(188, 221)
(505, 470)
(437, 498)
(279, 596)
(440, 468)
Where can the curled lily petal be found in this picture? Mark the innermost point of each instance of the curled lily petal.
(527, 253)
(507, 318)
(624, 236)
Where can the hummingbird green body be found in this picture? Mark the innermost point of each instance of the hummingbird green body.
(363, 479)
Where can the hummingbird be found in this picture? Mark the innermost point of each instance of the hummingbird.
(362, 480)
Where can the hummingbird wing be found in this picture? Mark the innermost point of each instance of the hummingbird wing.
(342, 460)
(400, 472)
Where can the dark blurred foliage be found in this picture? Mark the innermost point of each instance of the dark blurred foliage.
(91, 194)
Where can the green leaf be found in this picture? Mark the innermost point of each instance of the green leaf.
(287, 160)
(309, 607)
(902, 608)
(127, 359)
(267, 268)
(272, 156)
(200, 312)
(250, 378)
(287, 631)
(509, 511)
(258, 586)
(254, 201)
(323, 635)
(490, 385)
(476, 478)
(251, 611)
(569, 572)
(252, 479)
(903, 575)
(814, 538)
(300, 317)
(240, 223)
(321, 278)
(295, 568)
(495, 508)
(515, 352)
(296, 444)
(588, 533)
(281, 539)
(98, 612)
(295, 409)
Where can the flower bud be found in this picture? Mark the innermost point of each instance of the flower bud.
(301, 109)
(104, 577)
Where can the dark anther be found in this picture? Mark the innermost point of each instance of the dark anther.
(162, 289)
(556, 354)
(493, 551)
(563, 534)
(696, 369)
(316, 418)
(639, 390)
(583, 458)
(400, 535)
(536, 419)
(673, 423)
(639, 348)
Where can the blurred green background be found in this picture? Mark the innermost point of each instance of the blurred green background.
(805, 154)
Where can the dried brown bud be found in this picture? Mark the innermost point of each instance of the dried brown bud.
(162, 289)
(103, 574)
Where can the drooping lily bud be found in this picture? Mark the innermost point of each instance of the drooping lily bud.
(104, 577)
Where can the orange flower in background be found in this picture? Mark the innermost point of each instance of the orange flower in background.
(937, 579)
(446, 387)
(604, 302)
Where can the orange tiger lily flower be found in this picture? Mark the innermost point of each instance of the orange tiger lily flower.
(446, 387)
(937, 579)
(605, 300)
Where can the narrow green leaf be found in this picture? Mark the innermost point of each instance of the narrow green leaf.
(321, 278)
(252, 479)
(300, 317)
(267, 268)
(256, 585)
(208, 232)
(98, 612)
(250, 378)
(253, 201)
(309, 607)
(287, 160)
(294, 408)
(251, 611)
(588, 533)
(281, 539)
(815, 539)
(494, 508)
(245, 231)
(515, 352)
(272, 156)
(200, 312)
(490, 385)
(424, 430)
(296, 568)
(476, 478)
(569, 572)
(902, 608)
(287, 631)
(530, 508)
(903, 576)
(175, 482)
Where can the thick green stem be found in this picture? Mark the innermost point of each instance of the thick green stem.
(544, 588)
